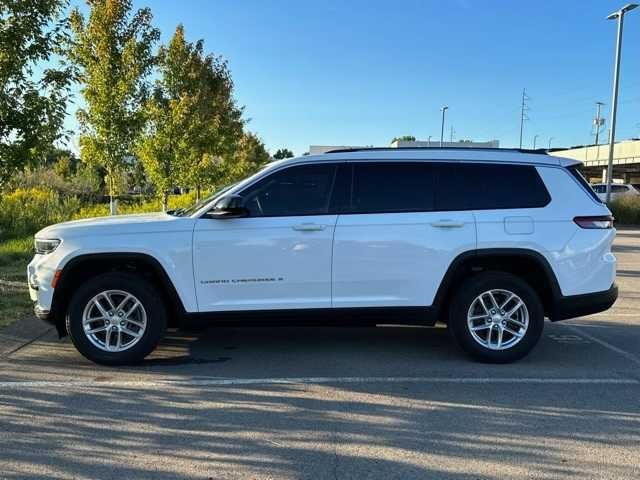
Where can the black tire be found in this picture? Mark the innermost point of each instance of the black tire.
(462, 302)
(156, 318)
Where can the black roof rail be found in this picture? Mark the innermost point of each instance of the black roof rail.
(538, 151)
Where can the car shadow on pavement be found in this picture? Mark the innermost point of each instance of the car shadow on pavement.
(407, 430)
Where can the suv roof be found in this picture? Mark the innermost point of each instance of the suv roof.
(460, 154)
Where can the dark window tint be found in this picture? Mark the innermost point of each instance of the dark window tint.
(341, 195)
(301, 190)
(619, 189)
(392, 187)
(600, 188)
(467, 186)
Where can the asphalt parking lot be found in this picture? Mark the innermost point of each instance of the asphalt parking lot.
(337, 403)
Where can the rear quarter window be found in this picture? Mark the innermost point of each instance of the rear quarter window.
(488, 186)
(575, 173)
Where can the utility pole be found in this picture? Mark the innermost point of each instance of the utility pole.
(443, 109)
(523, 116)
(535, 137)
(619, 15)
(452, 132)
(598, 122)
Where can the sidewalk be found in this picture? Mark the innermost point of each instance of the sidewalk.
(20, 333)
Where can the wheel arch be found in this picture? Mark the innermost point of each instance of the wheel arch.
(74, 272)
(527, 264)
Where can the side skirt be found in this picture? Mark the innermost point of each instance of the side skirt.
(366, 316)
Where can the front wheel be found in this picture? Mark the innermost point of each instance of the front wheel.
(116, 319)
(496, 317)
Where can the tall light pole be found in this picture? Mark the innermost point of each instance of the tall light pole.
(619, 15)
(443, 109)
(535, 137)
(551, 138)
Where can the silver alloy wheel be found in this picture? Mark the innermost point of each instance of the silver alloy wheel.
(114, 320)
(498, 319)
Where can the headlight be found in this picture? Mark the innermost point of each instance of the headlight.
(46, 245)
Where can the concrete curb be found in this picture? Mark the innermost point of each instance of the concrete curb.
(20, 333)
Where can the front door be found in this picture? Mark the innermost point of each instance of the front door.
(279, 257)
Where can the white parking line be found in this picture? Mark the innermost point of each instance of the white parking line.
(629, 356)
(206, 382)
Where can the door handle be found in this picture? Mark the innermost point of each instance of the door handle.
(447, 224)
(308, 227)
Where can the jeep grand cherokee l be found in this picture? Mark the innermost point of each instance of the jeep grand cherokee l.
(489, 241)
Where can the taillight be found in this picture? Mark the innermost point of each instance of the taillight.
(598, 222)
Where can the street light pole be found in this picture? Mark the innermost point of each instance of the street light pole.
(444, 109)
(551, 138)
(619, 15)
(535, 137)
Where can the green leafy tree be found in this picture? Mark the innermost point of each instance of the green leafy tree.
(217, 128)
(250, 155)
(173, 114)
(33, 88)
(283, 153)
(112, 50)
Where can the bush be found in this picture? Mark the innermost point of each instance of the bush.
(626, 210)
(25, 211)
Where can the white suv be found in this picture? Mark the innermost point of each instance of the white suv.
(617, 190)
(489, 241)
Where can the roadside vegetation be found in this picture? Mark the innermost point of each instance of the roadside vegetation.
(158, 125)
(626, 210)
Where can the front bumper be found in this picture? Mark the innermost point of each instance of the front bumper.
(579, 305)
(44, 315)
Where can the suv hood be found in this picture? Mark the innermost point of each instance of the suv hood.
(118, 224)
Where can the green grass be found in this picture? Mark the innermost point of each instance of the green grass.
(14, 296)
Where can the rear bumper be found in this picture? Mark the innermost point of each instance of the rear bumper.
(578, 305)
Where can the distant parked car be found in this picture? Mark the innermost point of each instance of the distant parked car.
(617, 190)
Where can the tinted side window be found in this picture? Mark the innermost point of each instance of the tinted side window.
(301, 190)
(466, 186)
(392, 187)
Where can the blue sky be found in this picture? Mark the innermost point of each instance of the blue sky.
(361, 72)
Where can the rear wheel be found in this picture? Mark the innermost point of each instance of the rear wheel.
(116, 319)
(496, 317)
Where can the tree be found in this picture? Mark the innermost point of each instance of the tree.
(173, 115)
(404, 138)
(249, 157)
(217, 128)
(112, 51)
(32, 104)
(283, 153)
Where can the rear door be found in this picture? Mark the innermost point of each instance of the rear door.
(391, 245)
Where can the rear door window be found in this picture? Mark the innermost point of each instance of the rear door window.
(488, 186)
(392, 187)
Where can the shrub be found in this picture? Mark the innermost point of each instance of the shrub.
(26, 210)
(626, 209)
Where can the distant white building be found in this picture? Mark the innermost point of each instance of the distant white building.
(436, 144)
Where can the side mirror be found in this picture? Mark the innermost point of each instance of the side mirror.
(229, 206)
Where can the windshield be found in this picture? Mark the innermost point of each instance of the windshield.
(185, 212)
